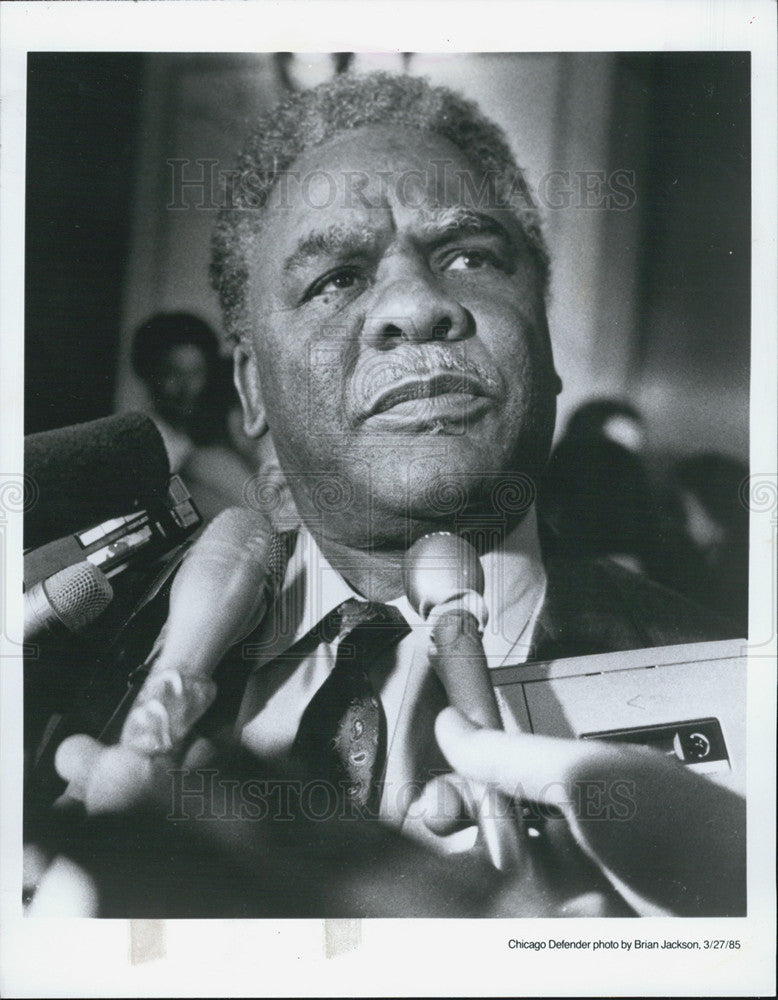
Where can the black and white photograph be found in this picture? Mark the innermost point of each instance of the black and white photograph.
(393, 428)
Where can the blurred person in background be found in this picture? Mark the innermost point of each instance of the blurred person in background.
(176, 355)
(711, 565)
(596, 492)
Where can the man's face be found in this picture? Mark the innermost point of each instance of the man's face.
(399, 334)
(179, 381)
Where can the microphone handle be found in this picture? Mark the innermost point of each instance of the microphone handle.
(112, 730)
(461, 666)
(40, 618)
(461, 663)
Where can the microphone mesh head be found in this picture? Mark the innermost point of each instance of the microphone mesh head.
(79, 594)
(438, 568)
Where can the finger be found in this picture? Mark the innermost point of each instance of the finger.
(590, 904)
(122, 779)
(65, 890)
(530, 767)
(35, 861)
(76, 757)
(105, 779)
(443, 805)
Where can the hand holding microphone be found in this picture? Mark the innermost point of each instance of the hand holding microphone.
(218, 596)
(678, 844)
(444, 583)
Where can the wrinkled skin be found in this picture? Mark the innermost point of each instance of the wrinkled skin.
(364, 293)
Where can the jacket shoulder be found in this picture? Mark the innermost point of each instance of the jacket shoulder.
(595, 606)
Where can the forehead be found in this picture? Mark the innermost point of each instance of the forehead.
(188, 356)
(377, 176)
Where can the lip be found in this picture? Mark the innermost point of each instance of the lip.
(449, 414)
(443, 390)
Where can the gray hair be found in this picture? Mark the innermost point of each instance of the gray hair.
(310, 118)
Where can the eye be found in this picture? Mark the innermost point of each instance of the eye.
(340, 280)
(472, 260)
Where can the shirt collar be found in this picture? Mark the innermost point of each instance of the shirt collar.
(515, 582)
(515, 585)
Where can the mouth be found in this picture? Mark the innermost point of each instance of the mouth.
(443, 391)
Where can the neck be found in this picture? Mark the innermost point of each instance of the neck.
(374, 574)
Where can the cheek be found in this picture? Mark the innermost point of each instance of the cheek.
(302, 390)
(513, 336)
(506, 306)
(310, 353)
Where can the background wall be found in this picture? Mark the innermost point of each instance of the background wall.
(83, 117)
(650, 288)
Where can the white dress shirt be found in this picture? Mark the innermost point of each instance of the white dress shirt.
(284, 678)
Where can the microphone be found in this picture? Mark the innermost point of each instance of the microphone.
(87, 473)
(67, 602)
(219, 595)
(444, 583)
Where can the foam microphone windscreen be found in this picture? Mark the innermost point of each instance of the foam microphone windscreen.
(84, 474)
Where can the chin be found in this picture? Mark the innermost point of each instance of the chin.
(434, 490)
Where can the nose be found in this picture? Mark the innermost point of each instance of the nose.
(411, 304)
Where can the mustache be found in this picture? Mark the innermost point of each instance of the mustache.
(416, 372)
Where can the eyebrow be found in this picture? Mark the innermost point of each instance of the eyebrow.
(440, 222)
(435, 224)
(335, 240)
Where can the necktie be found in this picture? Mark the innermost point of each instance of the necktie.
(342, 734)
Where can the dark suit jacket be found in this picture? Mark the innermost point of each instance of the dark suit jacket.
(598, 607)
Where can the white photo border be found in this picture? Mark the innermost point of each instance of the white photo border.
(401, 957)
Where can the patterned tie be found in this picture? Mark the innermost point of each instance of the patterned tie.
(342, 734)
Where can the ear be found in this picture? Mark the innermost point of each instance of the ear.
(246, 378)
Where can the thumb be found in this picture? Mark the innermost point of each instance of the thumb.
(471, 750)
(521, 765)
(452, 725)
